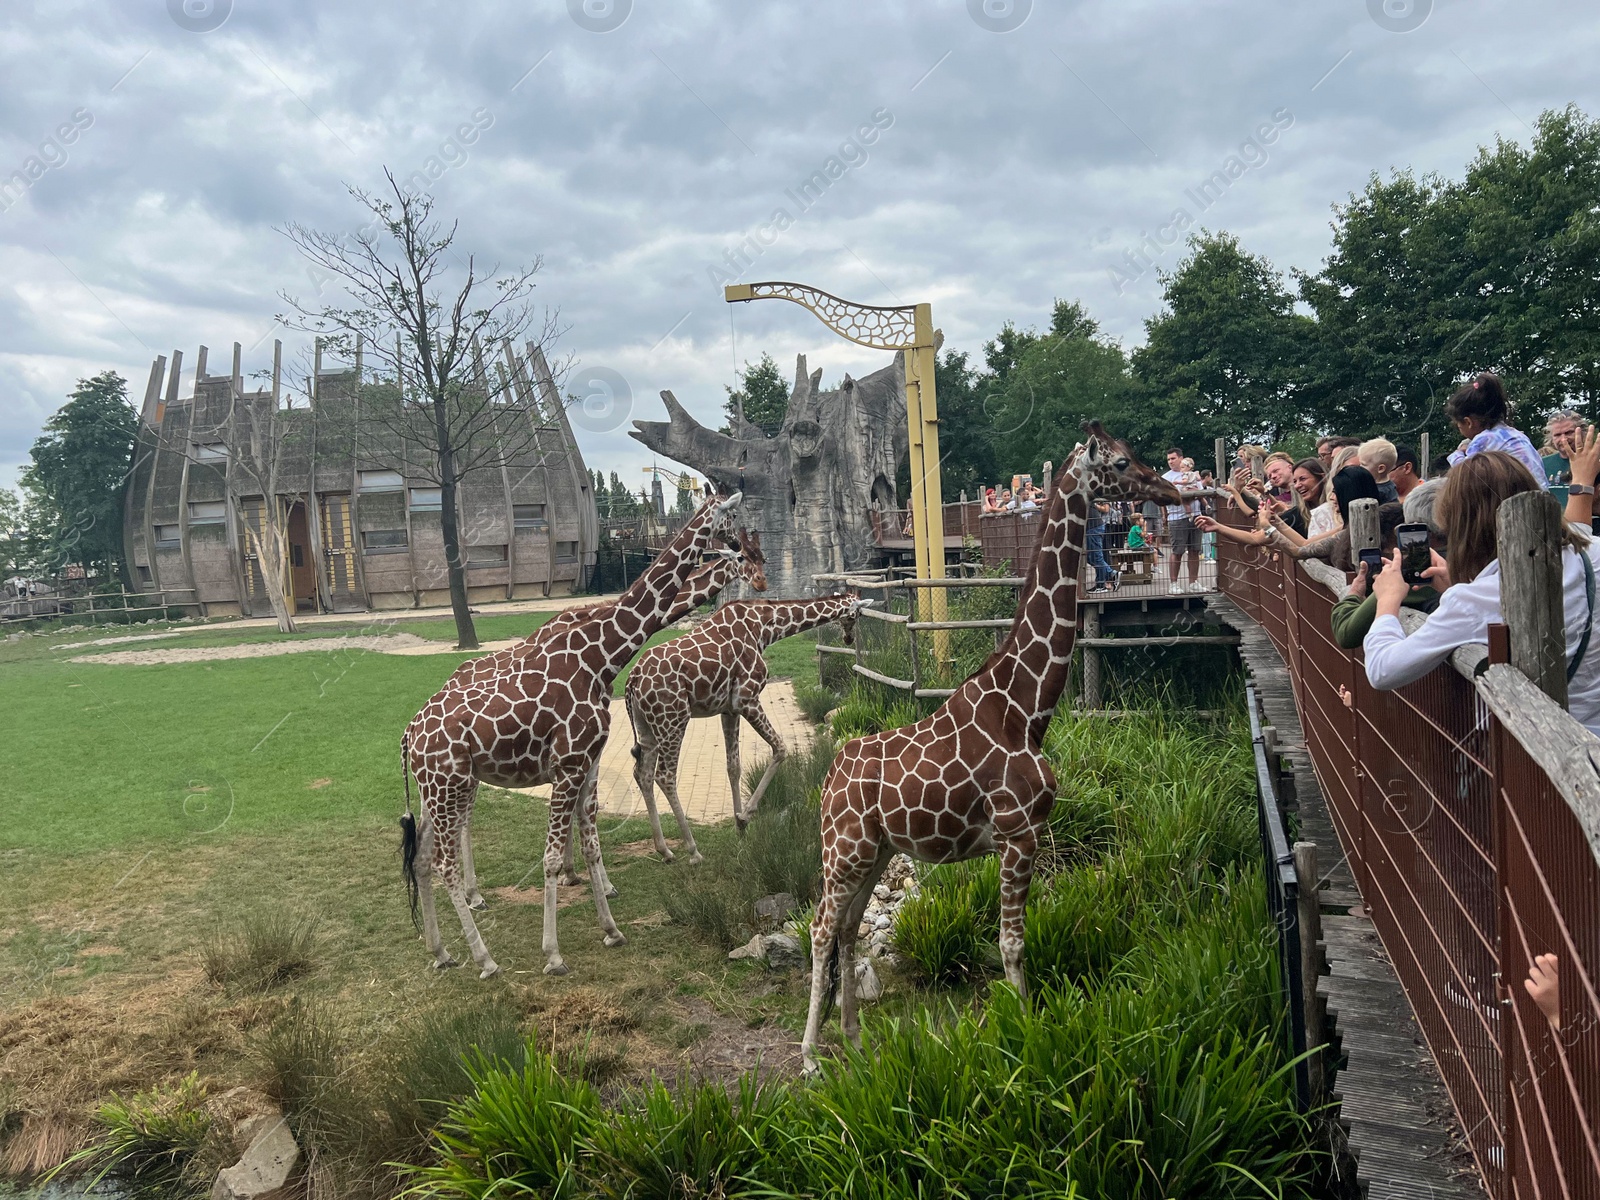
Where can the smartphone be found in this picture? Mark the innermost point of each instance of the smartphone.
(1374, 561)
(1258, 468)
(1415, 554)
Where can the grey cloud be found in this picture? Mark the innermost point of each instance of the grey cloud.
(1017, 171)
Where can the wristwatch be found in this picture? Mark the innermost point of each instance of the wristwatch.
(1580, 489)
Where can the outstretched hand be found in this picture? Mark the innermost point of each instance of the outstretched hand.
(1544, 986)
(1390, 587)
(1439, 573)
(1584, 461)
(1358, 585)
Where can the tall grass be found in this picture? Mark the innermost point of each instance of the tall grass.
(152, 1140)
(261, 951)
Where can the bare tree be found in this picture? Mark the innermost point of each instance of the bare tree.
(260, 438)
(450, 415)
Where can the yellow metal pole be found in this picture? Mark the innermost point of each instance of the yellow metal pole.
(922, 427)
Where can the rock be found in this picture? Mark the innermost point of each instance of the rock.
(868, 989)
(771, 910)
(864, 929)
(783, 952)
(880, 937)
(882, 921)
(754, 948)
(239, 1116)
(264, 1171)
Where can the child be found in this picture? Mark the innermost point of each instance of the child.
(1136, 539)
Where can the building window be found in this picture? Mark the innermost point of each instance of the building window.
(210, 452)
(426, 500)
(486, 556)
(144, 574)
(566, 552)
(168, 535)
(381, 481)
(208, 512)
(528, 516)
(383, 541)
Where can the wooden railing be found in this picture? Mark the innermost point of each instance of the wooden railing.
(1468, 805)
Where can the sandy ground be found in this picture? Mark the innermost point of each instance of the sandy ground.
(119, 641)
(703, 787)
(391, 643)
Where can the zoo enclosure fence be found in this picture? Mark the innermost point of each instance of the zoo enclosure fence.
(1468, 805)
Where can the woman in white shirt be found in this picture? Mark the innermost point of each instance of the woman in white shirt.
(1469, 587)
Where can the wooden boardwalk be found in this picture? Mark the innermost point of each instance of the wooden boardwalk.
(1395, 1117)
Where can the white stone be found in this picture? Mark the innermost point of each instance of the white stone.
(754, 948)
(881, 891)
(880, 938)
(264, 1170)
(881, 921)
(868, 989)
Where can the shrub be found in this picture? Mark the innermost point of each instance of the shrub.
(263, 950)
(948, 931)
(152, 1139)
(520, 1132)
(299, 1056)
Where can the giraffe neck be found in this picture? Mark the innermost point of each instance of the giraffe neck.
(702, 586)
(647, 606)
(1035, 662)
(785, 618)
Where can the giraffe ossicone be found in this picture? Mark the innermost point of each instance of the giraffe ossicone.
(969, 780)
(544, 719)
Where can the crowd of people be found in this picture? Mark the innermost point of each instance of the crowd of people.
(1302, 509)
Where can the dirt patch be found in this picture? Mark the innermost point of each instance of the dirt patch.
(318, 784)
(117, 641)
(389, 643)
(730, 1046)
(567, 894)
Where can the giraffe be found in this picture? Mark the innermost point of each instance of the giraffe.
(970, 779)
(545, 721)
(745, 560)
(716, 669)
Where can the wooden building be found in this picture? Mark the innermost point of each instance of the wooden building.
(363, 524)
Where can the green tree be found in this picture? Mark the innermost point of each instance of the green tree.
(13, 536)
(78, 474)
(1041, 388)
(684, 505)
(762, 395)
(623, 502)
(1225, 355)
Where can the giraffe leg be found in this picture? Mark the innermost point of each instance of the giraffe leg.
(644, 774)
(730, 739)
(1016, 876)
(455, 808)
(588, 826)
(667, 780)
(762, 724)
(564, 795)
(849, 929)
(426, 839)
(475, 898)
(841, 878)
(597, 868)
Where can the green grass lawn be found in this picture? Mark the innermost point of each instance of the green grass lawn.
(111, 755)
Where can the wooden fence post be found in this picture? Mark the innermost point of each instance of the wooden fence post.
(1530, 537)
(1220, 446)
(1091, 658)
(1427, 453)
(1310, 918)
(1364, 533)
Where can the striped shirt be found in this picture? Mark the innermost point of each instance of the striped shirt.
(1513, 441)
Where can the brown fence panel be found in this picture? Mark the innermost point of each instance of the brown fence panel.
(1470, 862)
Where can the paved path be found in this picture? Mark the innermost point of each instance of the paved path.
(702, 766)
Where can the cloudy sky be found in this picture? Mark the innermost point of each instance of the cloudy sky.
(990, 156)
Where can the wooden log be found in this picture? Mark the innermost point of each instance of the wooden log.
(887, 680)
(1363, 527)
(1427, 455)
(1310, 916)
(1529, 541)
(1220, 449)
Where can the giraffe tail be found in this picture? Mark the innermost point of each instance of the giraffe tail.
(408, 837)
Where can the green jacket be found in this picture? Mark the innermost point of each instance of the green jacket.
(1354, 615)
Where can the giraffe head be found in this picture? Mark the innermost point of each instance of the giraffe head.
(1109, 470)
(753, 566)
(722, 511)
(847, 619)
